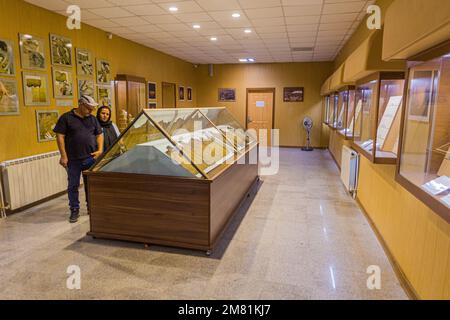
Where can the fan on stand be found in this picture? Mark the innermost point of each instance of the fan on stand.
(307, 124)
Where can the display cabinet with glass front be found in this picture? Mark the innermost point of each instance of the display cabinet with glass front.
(326, 109)
(174, 177)
(424, 162)
(332, 120)
(345, 111)
(131, 98)
(377, 115)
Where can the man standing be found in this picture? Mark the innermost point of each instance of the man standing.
(80, 142)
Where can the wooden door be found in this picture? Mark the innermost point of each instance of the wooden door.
(169, 95)
(260, 105)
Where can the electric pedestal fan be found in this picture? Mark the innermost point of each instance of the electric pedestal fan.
(307, 124)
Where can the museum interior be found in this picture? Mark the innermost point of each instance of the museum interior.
(262, 149)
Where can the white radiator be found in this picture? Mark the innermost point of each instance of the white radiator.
(349, 169)
(31, 179)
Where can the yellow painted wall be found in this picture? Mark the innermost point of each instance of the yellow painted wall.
(288, 116)
(418, 238)
(18, 134)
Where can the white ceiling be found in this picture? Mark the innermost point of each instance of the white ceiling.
(277, 26)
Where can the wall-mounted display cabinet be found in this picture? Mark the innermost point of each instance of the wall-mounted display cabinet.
(377, 115)
(332, 119)
(326, 109)
(131, 97)
(424, 160)
(346, 99)
(174, 177)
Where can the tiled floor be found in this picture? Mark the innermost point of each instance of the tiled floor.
(302, 237)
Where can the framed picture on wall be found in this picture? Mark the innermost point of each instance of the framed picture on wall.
(151, 91)
(227, 95)
(293, 94)
(86, 87)
(35, 89)
(85, 63)
(46, 122)
(189, 94)
(181, 93)
(6, 58)
(105, 95)
(62, 83)
(152, 105)
(103, 71)
(9, 97)
(61, 50)
(32, 52)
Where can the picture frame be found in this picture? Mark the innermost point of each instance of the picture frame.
(152, 105)
(62, 83)
(151, 91)
(35, 89)
(9, 97)
(227, 95)
(45, 123)
(181, 93)
(61, 50)
(32, 52)
(86, 87)
(103, 71)
(189, 94)
(421, 95)
(293, 94)
(105, 95)
(85, 63)
(7, 63)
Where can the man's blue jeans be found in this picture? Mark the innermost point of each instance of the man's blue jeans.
(74, 170)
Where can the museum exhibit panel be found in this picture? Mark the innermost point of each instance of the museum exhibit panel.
(346, 102)
(174, 177)
(131, 97)
(424, 162)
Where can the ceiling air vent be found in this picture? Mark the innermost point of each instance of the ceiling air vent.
(302, 49)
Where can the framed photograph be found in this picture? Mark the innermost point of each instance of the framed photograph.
(9, 97)
(105, 95)
(227, 95)
(151, 91)
(181, 93)
(62, 83)
(35, 89)
(421, 95)
(32, 52)
(152, 105)
(189, 94)
(103, 71)
(46, 122)
(86, 87)
(293, 94)
(85, 63)
(6, 58)
(61, 50)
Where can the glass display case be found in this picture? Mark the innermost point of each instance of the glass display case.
(424, 161)
(326, 109)
(332, 120)
(173, 177)
(131, 97)
(345, 111)
(377, 115)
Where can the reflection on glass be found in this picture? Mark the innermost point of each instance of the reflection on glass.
(326, 109)
(363, 129)
(333, 110)
(131, 99)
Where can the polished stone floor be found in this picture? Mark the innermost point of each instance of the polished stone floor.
(301, 237)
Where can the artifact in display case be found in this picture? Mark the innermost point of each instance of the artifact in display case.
(131, 98)
(424, 162)
(334, 99)
(345, 111)
(326, 109)
(174, 177)
(377, 116)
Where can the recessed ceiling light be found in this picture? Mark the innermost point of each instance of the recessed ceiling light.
(242, 60)
(251, 60)
(235, 15)
(247, 60)
(248, 31)
(213, 39)
(196, 26)
(173, 9)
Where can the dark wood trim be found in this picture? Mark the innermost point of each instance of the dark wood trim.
(264, 90)
(404, 282)
(162, 93)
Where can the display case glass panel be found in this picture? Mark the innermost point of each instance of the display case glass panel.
(131, 99)
(346, 107)
(177, 142)
(425, 147)
(326, 109)
(334, 98)
(364, 118)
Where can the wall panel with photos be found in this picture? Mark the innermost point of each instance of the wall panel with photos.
(48, 73)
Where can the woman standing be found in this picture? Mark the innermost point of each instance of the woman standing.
(110, 130)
